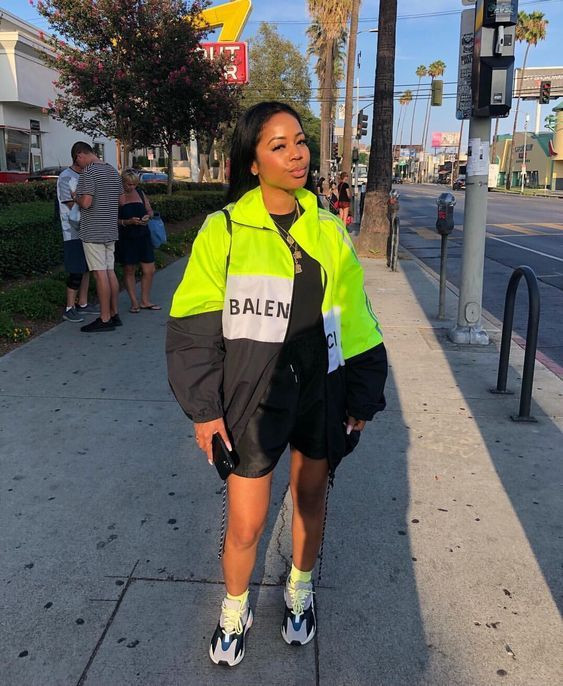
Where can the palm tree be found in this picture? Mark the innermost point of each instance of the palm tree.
(332, 17)
(317, 48)
(436, 68)
(530, 29)
(405, 100)
(421, 72)
(375, 224)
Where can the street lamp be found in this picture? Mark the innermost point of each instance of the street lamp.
(523, 174)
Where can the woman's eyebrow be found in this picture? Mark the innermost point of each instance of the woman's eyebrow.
(282, 138)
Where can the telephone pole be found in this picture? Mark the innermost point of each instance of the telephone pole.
(346, 163)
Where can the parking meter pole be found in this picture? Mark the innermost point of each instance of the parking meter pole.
(469, 328)
(443, 263)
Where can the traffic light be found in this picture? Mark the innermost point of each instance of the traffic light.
(361, 125)
(493, 57)
(437, 92)
(334, 151)
(545, 92)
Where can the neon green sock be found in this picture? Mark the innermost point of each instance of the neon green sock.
(298, 575)
(242, 598)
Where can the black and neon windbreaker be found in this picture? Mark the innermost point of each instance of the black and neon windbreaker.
(230, 316)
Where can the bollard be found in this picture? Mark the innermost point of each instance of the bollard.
(444, 226)
(531, 340)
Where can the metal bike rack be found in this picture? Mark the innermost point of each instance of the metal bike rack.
(531, 340)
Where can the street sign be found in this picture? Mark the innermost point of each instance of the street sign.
(465, 64)
(237, 69)
(230, 16)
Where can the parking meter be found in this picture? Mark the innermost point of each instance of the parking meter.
(445, 220)
(392, 203)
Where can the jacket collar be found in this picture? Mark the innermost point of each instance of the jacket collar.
(251, 211)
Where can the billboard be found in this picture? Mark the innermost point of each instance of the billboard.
(445, 139)
(237, 69)
(527, 84)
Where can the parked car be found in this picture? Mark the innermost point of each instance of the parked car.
(46, 174)
(459, 183)
(153, 177)
(397, 179)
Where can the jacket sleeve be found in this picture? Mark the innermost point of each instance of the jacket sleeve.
(362, 340)
(194, 341)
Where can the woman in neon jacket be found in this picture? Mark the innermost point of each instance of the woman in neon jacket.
(272, 342)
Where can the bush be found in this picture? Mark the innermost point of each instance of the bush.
(30, 241)
(181, 187)
(11, 193)
(38, 300)
(181, 206)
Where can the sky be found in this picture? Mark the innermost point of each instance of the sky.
(425, 32)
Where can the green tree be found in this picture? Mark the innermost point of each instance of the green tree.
(375, 224)
(331, 16)
(550, 122)
(530, 29)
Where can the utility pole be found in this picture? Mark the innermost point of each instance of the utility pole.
(523, 173)
(346, 163)
(491, 72)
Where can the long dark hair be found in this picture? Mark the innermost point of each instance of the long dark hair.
(243, 146)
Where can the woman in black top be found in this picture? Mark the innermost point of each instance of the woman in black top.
(343, 197)
(134, 246)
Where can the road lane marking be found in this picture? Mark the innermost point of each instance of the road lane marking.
(559, 227)
(519, 228)
(516, 245)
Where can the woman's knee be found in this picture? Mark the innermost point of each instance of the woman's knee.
(148, 268)
(244, 535)
(309, 500)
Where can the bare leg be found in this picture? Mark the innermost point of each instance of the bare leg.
(70, 297)
(104, 293)
(308, 483)
(114, 291)
(345, 212)
(83, 290)
(129, 280)
(146, 282)
(248, 509)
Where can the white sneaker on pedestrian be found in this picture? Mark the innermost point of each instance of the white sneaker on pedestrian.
(227, 645)
(299, 621)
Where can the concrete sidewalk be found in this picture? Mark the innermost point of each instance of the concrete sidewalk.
(443, 551)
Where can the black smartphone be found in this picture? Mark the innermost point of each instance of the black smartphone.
(223, 458)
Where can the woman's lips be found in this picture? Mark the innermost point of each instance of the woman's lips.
(298, 173)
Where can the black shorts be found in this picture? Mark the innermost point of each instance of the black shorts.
(134, 249)
(292, 410)
(74, 260)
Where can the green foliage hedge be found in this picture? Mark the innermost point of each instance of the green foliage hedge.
(31, 242)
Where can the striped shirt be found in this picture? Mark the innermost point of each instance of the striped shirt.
(98, 223)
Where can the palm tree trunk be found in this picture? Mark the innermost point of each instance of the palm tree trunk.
(349, 102)
(398, 125)
(326, 108)
(401, 135)
(375, 223)
(509, 167)
(424, 136)
(414, 110)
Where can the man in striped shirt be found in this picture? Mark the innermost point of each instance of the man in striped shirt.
(97, 194)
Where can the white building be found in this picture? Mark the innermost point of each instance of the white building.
(29, 138)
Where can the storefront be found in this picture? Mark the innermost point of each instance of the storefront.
(533, 158)
(30, 139)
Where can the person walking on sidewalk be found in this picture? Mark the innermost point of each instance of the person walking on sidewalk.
(272, 341)
(134, 246)
(344, 197)
(97, 194)
(78, 278)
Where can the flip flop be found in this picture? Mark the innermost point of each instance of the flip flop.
(151, 307)
(134, 310)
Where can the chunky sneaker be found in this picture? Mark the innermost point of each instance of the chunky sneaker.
(88, 309)
(227, 644)
(116, 320)
(72, 316)
(299, 621)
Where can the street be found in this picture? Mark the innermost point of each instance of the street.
(520, 231)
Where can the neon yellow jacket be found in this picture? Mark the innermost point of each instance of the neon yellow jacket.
(231, 311)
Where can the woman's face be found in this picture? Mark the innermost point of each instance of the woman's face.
(129, 186)
(282, 155)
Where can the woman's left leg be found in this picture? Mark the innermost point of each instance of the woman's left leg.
(308, 484)
(146, 283)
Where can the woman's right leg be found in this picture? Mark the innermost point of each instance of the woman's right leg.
(129, 280)
(248, 501)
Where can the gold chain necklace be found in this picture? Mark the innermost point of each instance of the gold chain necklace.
(293, 246)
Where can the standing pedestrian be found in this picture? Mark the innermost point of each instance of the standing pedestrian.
(78, 276)
(344, 197)
(135, 246)
(323, 192)
(97, 194)
(272, 341)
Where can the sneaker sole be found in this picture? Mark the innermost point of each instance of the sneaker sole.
(297, 643)
(73, 321)
(223, 663)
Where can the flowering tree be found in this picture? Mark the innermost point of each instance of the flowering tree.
(132, 70)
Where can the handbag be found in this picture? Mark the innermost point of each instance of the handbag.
(157, 230)
(74, 216)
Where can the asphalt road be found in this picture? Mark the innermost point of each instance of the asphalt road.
(520, 230)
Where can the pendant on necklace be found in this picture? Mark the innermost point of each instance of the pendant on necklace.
(297, 255)
(298, 269)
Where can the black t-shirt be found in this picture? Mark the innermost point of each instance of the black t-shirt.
(306, 307)
(342, 195)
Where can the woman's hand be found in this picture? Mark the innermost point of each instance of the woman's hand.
(354, 424)
(204, 434)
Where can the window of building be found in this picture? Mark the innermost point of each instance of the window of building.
(17, 148)
(99, 150)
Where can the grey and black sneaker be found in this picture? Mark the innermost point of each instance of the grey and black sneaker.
(227, 643)
(72, 316)
(299, 620)
(98, 325)
(88, 309)
(116, 320)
